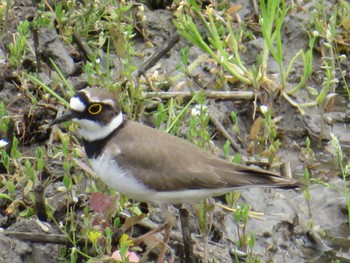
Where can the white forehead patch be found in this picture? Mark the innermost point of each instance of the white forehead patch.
(77, 105)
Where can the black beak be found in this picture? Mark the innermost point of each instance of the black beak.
(65, 117)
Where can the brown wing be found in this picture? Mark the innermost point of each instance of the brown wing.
(166, 163)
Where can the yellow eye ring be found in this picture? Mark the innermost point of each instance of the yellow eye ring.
(95, 108)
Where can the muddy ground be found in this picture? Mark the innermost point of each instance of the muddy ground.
(284, 234)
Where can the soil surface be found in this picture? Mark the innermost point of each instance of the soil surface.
(291, 229)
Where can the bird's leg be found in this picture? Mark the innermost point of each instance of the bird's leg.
(186, 234)
(166, 227)
(208, 206)
(169, 221)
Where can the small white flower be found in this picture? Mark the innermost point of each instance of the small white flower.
(75, 199)
(263, 109)
(199, 109)
(3, 142)
(98, 60)
(195, 111)
(342, 57)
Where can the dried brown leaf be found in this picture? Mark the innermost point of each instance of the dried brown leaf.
(254, 131)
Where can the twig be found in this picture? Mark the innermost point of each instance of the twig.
(224, 132)
(40, 208)
(157, 55)
(285, 170)
(38, 54)
(148, 224)
(63, 239)
(87, 51)
(42, 237)
(82, 45)
(251, 214)
(217, 95)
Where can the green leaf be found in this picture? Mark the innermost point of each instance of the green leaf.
(10, 186)
(5, 196)
(237, 158)
(251, 242)
(227, 148)
(312, 91)
(67, 181)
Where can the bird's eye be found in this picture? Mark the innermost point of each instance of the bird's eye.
(95, 108)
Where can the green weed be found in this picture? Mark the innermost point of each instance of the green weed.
(245, 241)
(18, 48)
(344, 170)
(198, 123)
(307, 196)
(223, 46)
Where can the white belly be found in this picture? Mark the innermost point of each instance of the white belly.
(119, 179)
(125, 183)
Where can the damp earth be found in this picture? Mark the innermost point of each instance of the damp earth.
(289, 227)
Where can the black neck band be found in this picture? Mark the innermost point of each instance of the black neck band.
(93, 148)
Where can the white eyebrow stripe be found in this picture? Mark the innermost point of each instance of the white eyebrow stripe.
(109, 102)
(106, 101)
